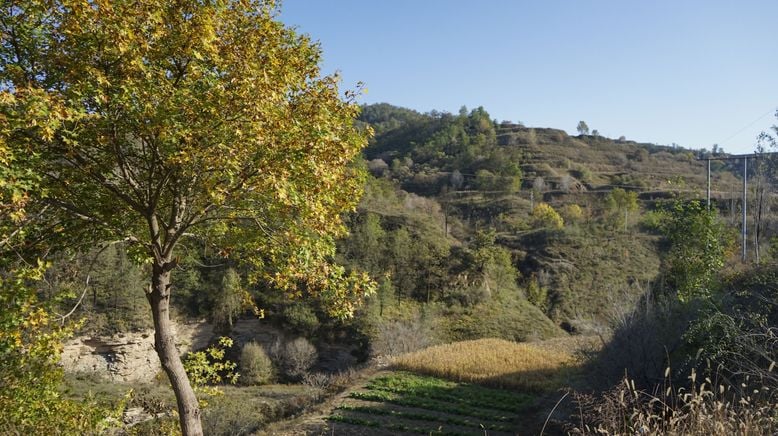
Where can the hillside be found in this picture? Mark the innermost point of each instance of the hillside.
(474, 174)
(475, 232)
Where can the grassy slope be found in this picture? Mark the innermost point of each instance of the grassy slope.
(590, 271)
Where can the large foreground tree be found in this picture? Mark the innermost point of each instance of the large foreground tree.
(167, 123)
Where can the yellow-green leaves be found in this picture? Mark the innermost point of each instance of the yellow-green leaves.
(209, 119)
(543, 215)
(30, 347)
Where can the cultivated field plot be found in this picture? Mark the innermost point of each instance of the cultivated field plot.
(493, 362)
(406, 403)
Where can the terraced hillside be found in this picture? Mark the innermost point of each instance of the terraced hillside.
(474, 175)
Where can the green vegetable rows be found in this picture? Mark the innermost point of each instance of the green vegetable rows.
(405, 402)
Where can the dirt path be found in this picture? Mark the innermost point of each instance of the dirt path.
(314, 422)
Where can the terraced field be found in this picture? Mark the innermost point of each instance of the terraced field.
(406, 403)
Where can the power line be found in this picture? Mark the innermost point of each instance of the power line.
(749, 125)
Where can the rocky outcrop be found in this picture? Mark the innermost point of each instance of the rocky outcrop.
(128, 357)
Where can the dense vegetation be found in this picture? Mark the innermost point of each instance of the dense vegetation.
(475, 234)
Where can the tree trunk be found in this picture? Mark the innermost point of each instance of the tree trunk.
(165, 344)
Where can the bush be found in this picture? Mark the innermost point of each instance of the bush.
(256, 368)
(301, 319)
(645, 340)
(235, 415)
(397, 336)
(537, 294)
(545, 216)
(582, 173)
(295, 357)
(572, 213)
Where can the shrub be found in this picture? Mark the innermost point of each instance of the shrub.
(295, 357)
(377, 167)
(317, 380)
(644, 339)
(396, 336)
(235, 415)
(301, 319)
(485, 180)
(543, 215)
(537, 294)
(582, 173)
(572, 213)
(256, 368)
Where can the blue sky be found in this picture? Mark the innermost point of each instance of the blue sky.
(690, 72)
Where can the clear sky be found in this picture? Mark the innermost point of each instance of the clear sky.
(688, 72)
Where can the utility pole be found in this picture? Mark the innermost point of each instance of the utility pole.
(745, 158)
(745, 191)
(708, 185)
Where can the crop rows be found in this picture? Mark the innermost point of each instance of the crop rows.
(393, 426)
(421, 416)
(469, 395)
(429, 404)
(412, 403)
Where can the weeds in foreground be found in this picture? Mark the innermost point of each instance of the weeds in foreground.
(707, 408)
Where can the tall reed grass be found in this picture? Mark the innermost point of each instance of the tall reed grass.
(707, 407)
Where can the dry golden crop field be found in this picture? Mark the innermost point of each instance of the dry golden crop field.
(493, 362)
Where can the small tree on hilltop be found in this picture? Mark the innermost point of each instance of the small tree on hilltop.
(582, 128)
(166, 124)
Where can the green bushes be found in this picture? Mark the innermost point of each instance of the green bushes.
(544, 216)
(582, 173)
(699, 242)
(256, 368)
(300, 318)
(572, 213)
(537, 294)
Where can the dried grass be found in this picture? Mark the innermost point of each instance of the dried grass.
(705, 408)
(493, 362)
